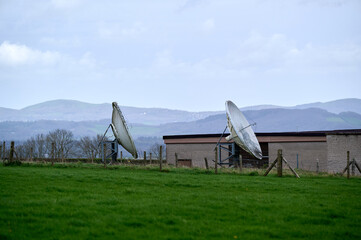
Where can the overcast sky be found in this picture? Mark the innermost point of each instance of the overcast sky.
(181, 54)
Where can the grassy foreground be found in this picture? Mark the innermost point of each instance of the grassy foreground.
(85, 202)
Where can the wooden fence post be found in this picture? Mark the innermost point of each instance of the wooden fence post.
(353, 167)
(348, 164)
(150, 158)
(160, 157)
(206, 162)
(62, 155)
(215, 161)
(11, 154)
(105, 155)
(317, 166)
(1, 153)
(145, 158)
(31, 154)
(358, 167)
(52, 153)
(289, 166)
(240, 163)
(279, 163)
(121, 157)
(176, 159)
(4, 151)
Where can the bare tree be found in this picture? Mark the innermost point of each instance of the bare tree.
(63, 140)
(96, 144)
(40, 147)
(3, 150)
(87, 149)
(20, 151)
(29, 148)
(90, 146)
(155, 150)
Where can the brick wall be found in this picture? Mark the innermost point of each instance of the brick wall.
(195, 151)
(308, 153)
(337, 147)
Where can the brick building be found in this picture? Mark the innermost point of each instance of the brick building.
(325, 150)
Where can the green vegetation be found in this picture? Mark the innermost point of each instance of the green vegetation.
(86, 201)
(335, 119)
(144, 130)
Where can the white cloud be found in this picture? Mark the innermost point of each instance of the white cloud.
(163, 59)
(136, 29)
(208, 25)
(61, 42)
(258, 59)
(14, 54)
(326, 3)
(115, 31)
(88, 60)
(65, 4)
(278, 53)
(189, 4)
(259, 51)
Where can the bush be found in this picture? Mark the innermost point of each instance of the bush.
(13, 163)
(253, 173)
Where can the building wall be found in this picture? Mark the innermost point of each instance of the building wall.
(337, 147)
(329, 150)
(195, 151)
(308, 153)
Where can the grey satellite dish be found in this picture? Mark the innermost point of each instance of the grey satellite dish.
(241, 131)
(121, 132)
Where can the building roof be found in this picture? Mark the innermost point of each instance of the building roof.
(274, 134)
(345, 132)
(276, 137)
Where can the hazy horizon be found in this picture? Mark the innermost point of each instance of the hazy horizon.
(215, 110)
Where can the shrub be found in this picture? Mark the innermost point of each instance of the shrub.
(253, 173)
(13, 163)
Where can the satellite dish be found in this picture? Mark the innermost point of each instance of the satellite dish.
(241, 131)
(121, 132)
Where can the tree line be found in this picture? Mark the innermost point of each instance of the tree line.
(61, 144)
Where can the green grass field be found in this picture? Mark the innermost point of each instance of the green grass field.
(87, 202)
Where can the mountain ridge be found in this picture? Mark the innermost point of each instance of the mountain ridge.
(73, 110)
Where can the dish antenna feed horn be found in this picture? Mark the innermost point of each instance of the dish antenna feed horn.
(241, 135)
(121, 134)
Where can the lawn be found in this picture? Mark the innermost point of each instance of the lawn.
(81, 201)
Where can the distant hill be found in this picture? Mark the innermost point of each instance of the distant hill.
(273, 120)
(260, 107)
(70, 110)
(337, 106)
(268, 120)
(7, 113)
(61, 110)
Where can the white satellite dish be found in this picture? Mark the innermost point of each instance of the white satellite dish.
(241, 131)
(121, 132)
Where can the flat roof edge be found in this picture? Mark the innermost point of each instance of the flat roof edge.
(271, 134)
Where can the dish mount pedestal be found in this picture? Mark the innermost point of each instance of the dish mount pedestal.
(232, 151)
(113, 153)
